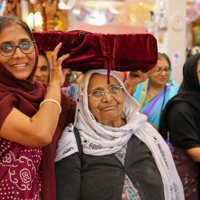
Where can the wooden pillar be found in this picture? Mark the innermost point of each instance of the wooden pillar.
(18, 8)
(51, 15)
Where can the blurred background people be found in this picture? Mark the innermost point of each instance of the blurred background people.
(79, 76)
(72, 88)
(181, 118)
(43, 68)
(154, 93)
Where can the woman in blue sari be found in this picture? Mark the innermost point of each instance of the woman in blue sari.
(155, 92)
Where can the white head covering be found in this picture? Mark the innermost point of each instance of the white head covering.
(97, 139)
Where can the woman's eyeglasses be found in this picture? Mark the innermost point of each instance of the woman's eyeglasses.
(9, 49)
(99, 94)
(160, 70)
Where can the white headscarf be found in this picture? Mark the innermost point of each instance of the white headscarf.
(97, 139)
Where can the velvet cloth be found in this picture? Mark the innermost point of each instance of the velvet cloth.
(47, 40)
(26, 96)
(121, 52)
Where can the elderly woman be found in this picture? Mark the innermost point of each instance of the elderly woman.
(124, 157)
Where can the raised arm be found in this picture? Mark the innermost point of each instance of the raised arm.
(39, 129)
(134, 78)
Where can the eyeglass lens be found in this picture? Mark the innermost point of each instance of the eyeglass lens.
(9, 49)
(159, 71)
(113, 91)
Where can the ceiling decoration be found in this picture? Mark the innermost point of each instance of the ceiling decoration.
(126, 11)
(67, 5)
(193, 10)
(134, 11)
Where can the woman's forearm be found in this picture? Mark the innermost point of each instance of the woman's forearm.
(46, 119)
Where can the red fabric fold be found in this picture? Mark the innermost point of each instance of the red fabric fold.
(130, 52)
(47, 40)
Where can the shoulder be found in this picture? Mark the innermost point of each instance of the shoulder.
(183, 116)
(175, 86)
(184, 126)
(173, 90)
(182, 108)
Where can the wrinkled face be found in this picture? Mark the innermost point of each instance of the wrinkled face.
(42, 71)
(109, 108)
(20, 64)
(159, 80)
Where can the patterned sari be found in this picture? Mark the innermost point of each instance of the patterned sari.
(154, 106)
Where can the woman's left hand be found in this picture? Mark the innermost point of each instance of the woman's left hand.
(134, 78)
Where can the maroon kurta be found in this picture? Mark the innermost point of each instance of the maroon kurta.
(26, 96)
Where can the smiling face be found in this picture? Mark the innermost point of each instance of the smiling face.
(159, 80)
(20, 64)
(107, 110)
(42, 71)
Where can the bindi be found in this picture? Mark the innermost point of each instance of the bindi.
(14, 38)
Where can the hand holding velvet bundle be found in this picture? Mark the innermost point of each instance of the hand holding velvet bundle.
(121, 52)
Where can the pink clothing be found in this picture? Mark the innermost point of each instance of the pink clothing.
(20, 171)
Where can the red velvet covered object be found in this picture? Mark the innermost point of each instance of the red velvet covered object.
(121, 52)
(47, 40)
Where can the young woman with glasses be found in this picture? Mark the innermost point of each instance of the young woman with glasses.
(154, 93)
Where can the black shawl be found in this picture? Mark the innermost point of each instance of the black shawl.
(189, 93)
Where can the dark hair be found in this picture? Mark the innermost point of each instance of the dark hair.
(42, 53)
(6, 21)
(163, 55)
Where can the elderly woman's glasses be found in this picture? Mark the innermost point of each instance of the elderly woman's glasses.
(160, 70)
(99, 94)
(9, 49)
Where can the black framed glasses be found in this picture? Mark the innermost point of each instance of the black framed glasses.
(10, 49)
(160, 70)
(99, 94)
